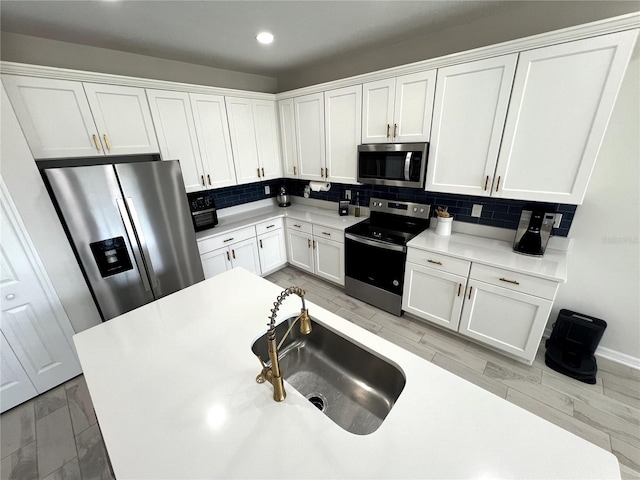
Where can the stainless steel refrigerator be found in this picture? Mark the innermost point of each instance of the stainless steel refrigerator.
(131, 227)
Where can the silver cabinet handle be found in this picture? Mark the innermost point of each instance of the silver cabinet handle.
(132, 236)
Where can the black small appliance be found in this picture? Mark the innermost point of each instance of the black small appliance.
(573, 342)
(203, 210)
(534, 229)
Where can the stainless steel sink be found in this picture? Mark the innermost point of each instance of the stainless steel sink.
(353, 387)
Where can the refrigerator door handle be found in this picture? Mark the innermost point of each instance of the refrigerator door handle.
(130, 233)
(143, 243)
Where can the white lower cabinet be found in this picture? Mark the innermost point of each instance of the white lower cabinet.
(271, 245)
(242, 254)
(443, 304)
(502, 309)
(316, 249)
(505, 319)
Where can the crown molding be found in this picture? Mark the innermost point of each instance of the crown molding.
(621, 23)
(96, 77)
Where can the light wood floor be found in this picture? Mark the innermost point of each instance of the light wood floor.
(55, 435)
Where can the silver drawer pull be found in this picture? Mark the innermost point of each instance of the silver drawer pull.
(434, 261)
(510, 281)
(326, 233)
(227, 240)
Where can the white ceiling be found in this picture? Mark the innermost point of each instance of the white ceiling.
(222, 33)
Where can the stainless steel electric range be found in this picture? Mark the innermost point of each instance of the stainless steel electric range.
(376, 251)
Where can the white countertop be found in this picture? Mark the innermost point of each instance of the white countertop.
(173, 386)
(315, 215)
(498, 253)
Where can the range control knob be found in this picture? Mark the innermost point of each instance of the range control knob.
(422, 210)
(415, 209)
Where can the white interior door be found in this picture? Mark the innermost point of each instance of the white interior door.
(15, 386)
(33, 320)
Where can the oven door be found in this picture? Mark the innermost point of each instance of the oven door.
(375, 263)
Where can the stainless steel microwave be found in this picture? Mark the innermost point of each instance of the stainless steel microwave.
(393, 164)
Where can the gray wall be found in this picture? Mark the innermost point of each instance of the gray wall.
(511, 24)
(39, 51)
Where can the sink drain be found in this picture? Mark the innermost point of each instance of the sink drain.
(318, 401)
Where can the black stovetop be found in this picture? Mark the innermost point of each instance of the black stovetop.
(389, 227)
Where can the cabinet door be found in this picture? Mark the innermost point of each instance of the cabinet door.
(413, 107)
(216, 262)
(243, 139)
(562, 99)
(343, 126)
(299, 251)
(287, 119)
(266, 125)
(507, 320)
(245, 254)
(55, 117)
(175, 129)
(212, 128)
(123, 119)
(470, 108)
(433, 295)
(32, 319)
(309, 114)
(273, 251)
(15, 386)
(377, 111)
(329, 259)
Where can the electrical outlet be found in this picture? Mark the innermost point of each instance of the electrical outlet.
(347, 194)
(556, 222)
(476, 211)
(267, 190)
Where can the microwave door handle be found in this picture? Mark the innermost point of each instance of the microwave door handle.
(375, 243)
(143, 243)
(407, 165)
(126, 220)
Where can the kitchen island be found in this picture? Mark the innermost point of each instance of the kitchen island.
(174, 390)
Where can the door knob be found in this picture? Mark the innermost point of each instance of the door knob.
(11, 296)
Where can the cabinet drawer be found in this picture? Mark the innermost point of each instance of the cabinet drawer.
(299, 226)
(328, 233)
(225, 239)
(268, 226)
(514, 281)
(438, 261)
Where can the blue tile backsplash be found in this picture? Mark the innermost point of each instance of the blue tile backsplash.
(495, 212)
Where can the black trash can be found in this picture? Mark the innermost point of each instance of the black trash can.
(573, 342)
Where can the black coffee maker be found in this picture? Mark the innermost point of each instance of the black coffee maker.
(534, 229)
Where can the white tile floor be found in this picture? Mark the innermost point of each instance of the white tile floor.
(55, 435)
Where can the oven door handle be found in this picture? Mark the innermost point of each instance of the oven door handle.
(407, 166)
(375, 243)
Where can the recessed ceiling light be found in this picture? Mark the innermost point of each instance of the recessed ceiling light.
(265, 37)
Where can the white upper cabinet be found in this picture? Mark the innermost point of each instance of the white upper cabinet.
(342, 116)
(123, 119)
(310, 143)
(398, 110)
(212, 129)
(287, 118)
(254, 139)
(469, 112)
(266, 126)
(173, 120)
(563, 96)
(55, 117)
